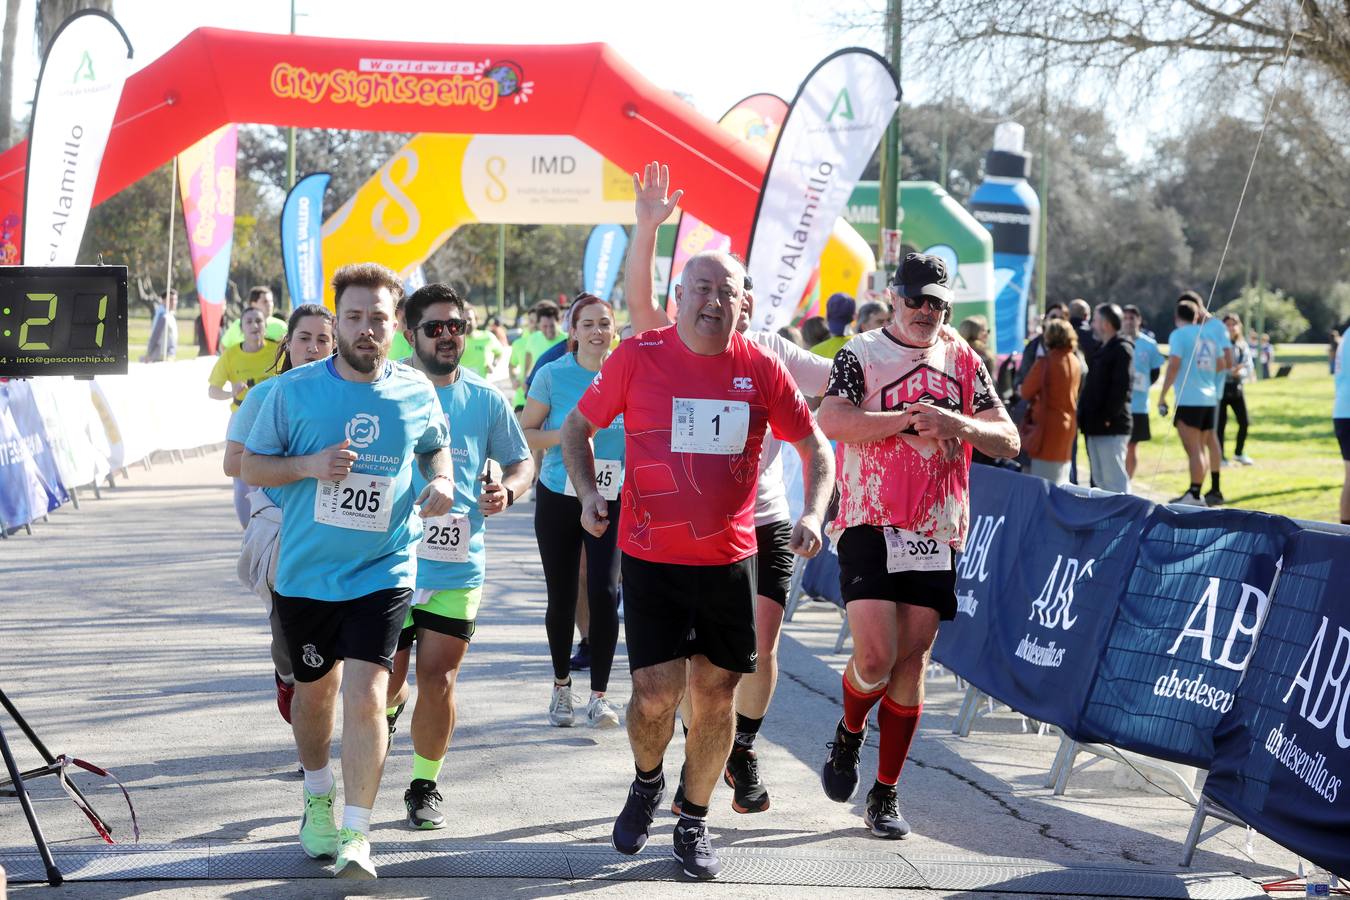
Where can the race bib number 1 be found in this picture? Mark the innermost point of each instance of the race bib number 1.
(445, 539)
(718, 427)
(910, 552)
(608, 475)
(358, 502)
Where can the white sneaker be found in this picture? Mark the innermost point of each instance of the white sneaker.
(600, 713)
(1244, 459)
(560, 713)
(1188, 499)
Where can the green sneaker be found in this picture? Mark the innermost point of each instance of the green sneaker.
(353, 857)
(318, 834)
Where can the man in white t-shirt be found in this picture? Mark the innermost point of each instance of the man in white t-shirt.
(773, 524)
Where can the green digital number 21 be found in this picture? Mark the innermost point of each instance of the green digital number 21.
(24, 343)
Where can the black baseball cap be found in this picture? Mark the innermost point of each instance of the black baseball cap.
(922, 275)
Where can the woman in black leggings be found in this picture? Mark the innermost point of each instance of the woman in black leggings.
(556, 389)
(1233, 396)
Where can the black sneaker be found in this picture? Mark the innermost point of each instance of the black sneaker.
(423, 802)
(677, 803)
(1214, 498)
(581, 661)
(883, 814)
(839, 776)
(630, 828)
(694, 851)
(393, 724)
(742, 776)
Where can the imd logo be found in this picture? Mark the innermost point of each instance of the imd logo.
(363, 430)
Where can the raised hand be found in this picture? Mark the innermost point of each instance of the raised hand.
(654, 202)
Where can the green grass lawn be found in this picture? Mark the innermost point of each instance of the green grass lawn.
(138, 336)
(1298, 471)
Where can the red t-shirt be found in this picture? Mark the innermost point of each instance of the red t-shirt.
(689, 475)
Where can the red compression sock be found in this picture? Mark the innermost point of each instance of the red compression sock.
(857, 705)
(898, 724)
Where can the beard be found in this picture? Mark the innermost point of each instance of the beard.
(359, 360)
(431, 361)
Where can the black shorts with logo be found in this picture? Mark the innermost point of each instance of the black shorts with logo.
(1201, 417)
(774, 561)
(1139, 430)
(673, 612)
(863, 575)
(321, 632)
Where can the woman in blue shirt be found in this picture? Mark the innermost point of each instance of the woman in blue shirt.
(1340, 418)
(555, 391)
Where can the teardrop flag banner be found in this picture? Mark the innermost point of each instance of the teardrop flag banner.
(605, 247)
(302, 239)
(206, 180)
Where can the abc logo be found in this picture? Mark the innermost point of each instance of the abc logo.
(363, 430)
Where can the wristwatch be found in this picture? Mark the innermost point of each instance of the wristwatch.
(510, 496)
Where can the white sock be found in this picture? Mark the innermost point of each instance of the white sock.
(357, 818)
(319, 781)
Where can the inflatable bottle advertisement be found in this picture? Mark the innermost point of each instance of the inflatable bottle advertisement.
(1006, 204)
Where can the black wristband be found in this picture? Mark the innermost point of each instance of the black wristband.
(510, 496)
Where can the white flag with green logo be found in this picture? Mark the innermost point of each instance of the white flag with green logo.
(78, 90)
(833, 126)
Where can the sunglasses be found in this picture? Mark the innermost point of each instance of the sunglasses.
(435, 328)
(934, 303)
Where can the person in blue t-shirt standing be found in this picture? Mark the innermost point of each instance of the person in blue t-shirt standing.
(1148, 363)
(1215, 332)
(1193, 359)
(451, 559)
(338, 441)
(1340, 420)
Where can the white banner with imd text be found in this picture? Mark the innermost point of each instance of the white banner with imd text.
(835, 123)
(78, 90)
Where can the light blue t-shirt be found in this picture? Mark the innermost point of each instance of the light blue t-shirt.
(241, 423)
(482, 426)
(387, 421)
(1216, 331)
(1195, 376)
(1341, 408)
(1147, 357)
(559, 386)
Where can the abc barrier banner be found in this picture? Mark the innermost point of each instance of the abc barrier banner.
(78, 90)
(1282, 752)
(1045, 605)
(1184, 631)
(206, 181)
(301, 239)
(834, 124)
(24, 495)
(602, 260)
(28, 420)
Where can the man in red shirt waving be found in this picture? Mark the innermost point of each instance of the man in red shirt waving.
(696, 400)
(906, 403)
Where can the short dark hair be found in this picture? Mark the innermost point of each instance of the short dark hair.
(283, 361)
(872, 308)
(434, 292)
(546, 309)
(1193, 297)
(367, 275)
(1187, 311)
(1110, 312)
(257, 291)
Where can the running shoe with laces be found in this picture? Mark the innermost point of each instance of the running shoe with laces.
(318, 832)
(839, 775)
(600, 713)
(353, 857)
(423, 802)
(693, 850)
(393, 724)
(883, 814)
(742, 776)
(630, 828)
(581, 660)
(560, 708)
(285, 693)
(677, 802)
(1214, 498)
(1188, 499)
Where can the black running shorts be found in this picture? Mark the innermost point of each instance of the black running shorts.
(863, 575)
(1342, 427)
(458, 628)
(674, 612)
(774, 561)
(1201, 417)
(1139, 430)
(321, 632)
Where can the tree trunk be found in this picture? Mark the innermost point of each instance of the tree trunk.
(10, 36)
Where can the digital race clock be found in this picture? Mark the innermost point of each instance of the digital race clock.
(63, 320)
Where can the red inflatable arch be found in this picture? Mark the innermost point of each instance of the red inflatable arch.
(213, 77)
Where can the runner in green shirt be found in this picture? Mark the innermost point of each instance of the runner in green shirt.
(482, 350)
